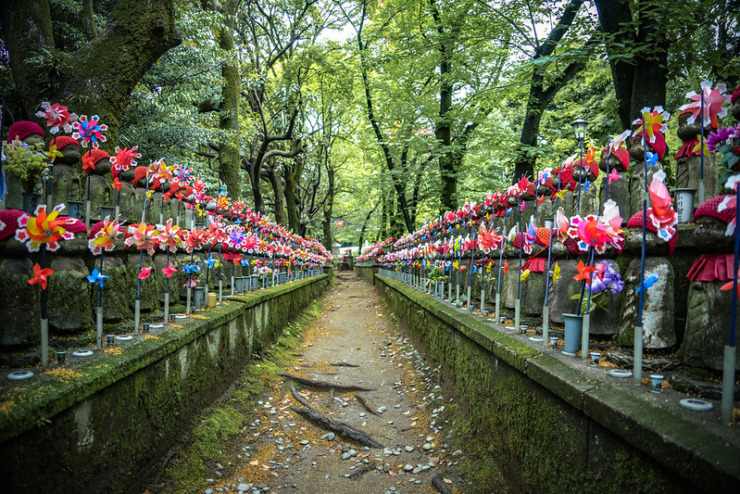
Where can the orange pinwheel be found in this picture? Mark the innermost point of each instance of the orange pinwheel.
(104, 238)
(117, 184)
(42, 229)
(88, 162)
(584, 272)
(506, 267)
(40, 275)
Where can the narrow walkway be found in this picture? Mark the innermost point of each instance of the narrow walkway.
(280, 451)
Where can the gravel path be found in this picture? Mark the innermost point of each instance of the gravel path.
(283, 452)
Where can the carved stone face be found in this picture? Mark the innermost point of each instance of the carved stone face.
(34, 139)
(709, 235)
(102, 167)
(70, 155)
(687, 132)
(613, 162)
(653, 244)
(583, 173)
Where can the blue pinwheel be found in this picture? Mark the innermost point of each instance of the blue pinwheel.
(650, 281)
(586, 185)
(97, 277)
(191, 268)
(652, 159)
(211, 262)
(244, 262)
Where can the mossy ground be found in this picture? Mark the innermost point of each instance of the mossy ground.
(215, 437)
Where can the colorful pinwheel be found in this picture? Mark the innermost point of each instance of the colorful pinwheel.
(142, 236)
(655, 128)
(89, 131)
(42, 229)
(169, 237)
(124, 159)
(169, 271)
(714, 100)
(57, 117)
(144, 273)
(104, 238)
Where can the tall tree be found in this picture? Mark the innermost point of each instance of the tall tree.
(96, 78)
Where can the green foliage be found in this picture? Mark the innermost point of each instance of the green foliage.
(26, 162)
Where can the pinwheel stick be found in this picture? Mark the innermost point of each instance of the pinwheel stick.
(517, 303)
(99, 313)
(220, 282)
(470, 274)
(500, 270)
(701, 147)
(44, 317)
(728, 374)
(637, 367)
(608, 155)
(208, 267)
(87, 203)
(137, 303)
(167, 292)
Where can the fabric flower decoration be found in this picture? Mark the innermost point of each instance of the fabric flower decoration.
(40, 276)
(123, 159)
(57, 117)
(104, 238)
(144, 273)
(605, 277)
(89, 131)
(169, 270)
(97, 277)
(714, 100)
(42, 229)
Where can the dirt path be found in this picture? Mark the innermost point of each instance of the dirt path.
(280, 451)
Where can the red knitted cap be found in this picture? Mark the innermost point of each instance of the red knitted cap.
(62, 142)
(73, 225)
(543, 236)
(23, 129)
(9, 222)
(636, 222)
(97, 155)
(709, 208)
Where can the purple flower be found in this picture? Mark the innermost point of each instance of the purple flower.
(606, 277)
(722, 136)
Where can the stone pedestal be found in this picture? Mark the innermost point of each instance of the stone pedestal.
(20, 311)
(115, 303)
(658, 307)
(707, 326)
(69, 296)
(150, 287)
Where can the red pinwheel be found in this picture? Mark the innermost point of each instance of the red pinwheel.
(40, 275)
(123, 160)
(584, 272)
(144, 273)
(116, 184)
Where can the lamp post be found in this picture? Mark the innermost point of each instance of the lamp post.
(579, 128)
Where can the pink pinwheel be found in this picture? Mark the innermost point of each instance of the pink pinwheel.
(613, 175)
(662, 214)
(162, 172)
(199, 187)
(89, 131)
(103, 239)
(142, 236)
(714, 100)
(144, 273)
(124, 159)
(216, 232)
(168, 236)
(182, 175)
(195, 239)
(57, 117)
(169, 270)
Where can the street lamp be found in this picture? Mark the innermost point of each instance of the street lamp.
(579, 128)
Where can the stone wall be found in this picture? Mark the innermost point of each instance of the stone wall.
(104, 431)
(553, 428)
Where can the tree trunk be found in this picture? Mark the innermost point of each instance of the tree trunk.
(443, 129)
(281, 218)
(329, 209)
(98, 78)
(292, 175)
(229, 158)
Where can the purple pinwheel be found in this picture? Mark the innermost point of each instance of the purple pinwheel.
(89, 131)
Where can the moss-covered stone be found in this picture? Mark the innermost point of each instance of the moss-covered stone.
(115, 304)
(69, 296)
(150, 287)
(20, 310)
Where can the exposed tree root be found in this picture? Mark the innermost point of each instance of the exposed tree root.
(360, 472)
(345, 430)
(324, 384)
(439, 484)
(365, 403)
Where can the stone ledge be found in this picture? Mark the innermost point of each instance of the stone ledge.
(707, 457)
(103, 370)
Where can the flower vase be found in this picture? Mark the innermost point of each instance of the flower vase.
(573, 327)
(30, 202)
(75, 209)
(199, 297)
